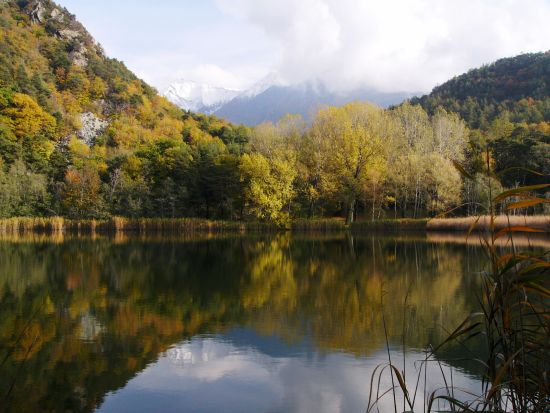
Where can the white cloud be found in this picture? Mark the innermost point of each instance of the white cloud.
(163, 68)
(393, 45)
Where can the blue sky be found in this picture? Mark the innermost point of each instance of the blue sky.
(389, 45)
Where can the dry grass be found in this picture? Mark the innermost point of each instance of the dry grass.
(406, 224)
(153, 225)
(117, 224)
(319, 225)
(189, 225)
(539, 222)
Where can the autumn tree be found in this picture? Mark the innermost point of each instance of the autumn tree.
(351, 139)
(268, 186)
(80, 193)
(269, 170)
(421, 150)
(27, 118)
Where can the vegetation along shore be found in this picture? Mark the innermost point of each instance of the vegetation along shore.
(15, 225)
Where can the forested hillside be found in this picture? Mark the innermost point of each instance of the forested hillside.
(507, 107)
(82, 136)
(518, 86)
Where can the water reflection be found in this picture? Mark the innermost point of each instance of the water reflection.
(208, 374)
(291, 323)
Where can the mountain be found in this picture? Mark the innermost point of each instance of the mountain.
(518, 86)
(269, 99)
(207, 99)
(193, 96)
(304, 99)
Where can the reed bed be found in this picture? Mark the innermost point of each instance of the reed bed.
(52, 225)
(117, 224)
(405, 224)
(318, 225)
(483, 223)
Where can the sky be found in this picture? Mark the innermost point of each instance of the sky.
(386, 45)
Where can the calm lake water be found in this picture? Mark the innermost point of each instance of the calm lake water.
(286, 323)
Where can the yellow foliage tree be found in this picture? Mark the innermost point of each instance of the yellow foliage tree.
(269, 187)
(351, 138)
(27, 118)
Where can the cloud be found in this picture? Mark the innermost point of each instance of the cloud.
(175, 66)
(392, 45)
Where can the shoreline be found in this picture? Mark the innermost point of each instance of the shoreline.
(51, 225)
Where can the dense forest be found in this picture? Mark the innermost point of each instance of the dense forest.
(506, 105)
(516, 87)
(82, 137)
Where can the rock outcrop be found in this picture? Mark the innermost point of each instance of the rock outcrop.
(92, 127)
(38, 12)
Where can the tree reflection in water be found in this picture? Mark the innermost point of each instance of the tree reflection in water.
(81, 316)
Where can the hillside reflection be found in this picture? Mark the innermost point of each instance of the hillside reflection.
(80, 317)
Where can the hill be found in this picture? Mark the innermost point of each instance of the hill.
(75, 123)
(519, 86)
(507, 106)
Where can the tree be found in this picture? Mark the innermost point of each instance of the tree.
(268, 186)
(22, 193)
(127, 196)
(80, 194)
(27, 118)
(351, 139)
(444, 184)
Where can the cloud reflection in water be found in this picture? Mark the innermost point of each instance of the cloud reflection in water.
(213, 374)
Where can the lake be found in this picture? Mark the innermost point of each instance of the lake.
(280, 323)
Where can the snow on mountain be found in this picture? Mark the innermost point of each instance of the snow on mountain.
(199, 97)
(271, 80)
(268, 99)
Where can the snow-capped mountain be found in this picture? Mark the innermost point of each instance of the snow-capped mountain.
(271, 80)
(199, 97)
(269, 102)
(269, 99)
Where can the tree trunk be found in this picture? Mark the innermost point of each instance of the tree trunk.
(373, 201)
(351, 211)
(395, 204)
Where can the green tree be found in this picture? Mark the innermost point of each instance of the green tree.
(22, 192)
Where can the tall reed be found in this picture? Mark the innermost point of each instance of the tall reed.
(513, 322)
(118, 224)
